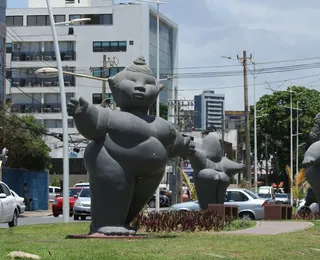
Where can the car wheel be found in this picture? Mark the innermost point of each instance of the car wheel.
(246, 215)
(75, 217)
(83, 217)
(14, 221)
(152, 204)
(70, 215)
(19, 211)
(55, 215)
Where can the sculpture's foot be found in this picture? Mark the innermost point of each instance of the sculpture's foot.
(116, 231)
(131, 228)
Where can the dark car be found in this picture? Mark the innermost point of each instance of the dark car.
(165, 199)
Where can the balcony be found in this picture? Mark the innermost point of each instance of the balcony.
(36, 108)
(43, 56)
(69, 81)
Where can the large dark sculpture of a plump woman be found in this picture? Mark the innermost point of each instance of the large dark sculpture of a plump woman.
(129, 151)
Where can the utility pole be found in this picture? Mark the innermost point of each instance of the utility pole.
(243, 61)
(104, 83)
(267, 166)
(246, 111)
(223, 131)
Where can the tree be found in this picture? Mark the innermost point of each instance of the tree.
(23, 137)
(274, 121)
(163, 110)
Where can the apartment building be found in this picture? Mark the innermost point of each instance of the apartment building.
(3, 5)
(209, 110)
(122, 32)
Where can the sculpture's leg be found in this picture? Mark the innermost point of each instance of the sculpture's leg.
(111, 191)
(206, 182)
(313, 177)
(143, 192)
(222, 186)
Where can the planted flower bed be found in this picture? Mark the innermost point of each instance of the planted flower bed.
(180, 221)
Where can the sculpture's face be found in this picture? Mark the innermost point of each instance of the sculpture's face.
(135, 90)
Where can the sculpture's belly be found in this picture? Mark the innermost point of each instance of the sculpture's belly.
(148, 157)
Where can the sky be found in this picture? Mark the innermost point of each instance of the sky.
(273, 31)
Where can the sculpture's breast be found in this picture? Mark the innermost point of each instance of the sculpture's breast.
(141, 157)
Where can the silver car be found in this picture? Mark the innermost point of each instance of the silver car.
(250, 205)
(82, 206)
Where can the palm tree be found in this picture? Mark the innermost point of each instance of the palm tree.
(299, 185)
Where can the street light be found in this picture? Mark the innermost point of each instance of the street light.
(158, 2)
(66, 207)
(73, 21)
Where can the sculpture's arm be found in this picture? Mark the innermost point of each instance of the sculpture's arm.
(179, 146)
(91, 122)
(198, 160)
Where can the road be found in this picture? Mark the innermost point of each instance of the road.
(49, 220)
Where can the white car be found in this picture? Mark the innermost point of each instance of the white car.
(21, 206)
(53, 192)
(8, 206)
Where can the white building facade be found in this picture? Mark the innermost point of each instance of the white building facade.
(122, 32)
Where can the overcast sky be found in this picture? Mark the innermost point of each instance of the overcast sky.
(272, 30)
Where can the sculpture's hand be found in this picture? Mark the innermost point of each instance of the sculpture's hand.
(188, 148)
(76, 107)
(191, 149)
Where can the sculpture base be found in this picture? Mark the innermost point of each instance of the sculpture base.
(224, 210)
(102, 236)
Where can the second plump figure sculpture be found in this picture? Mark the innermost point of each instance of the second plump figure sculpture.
(211, 171)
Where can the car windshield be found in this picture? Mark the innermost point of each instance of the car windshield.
(264, 195)
(85, 193)
(281, 196)
(253, 195)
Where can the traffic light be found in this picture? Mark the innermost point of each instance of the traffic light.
(4, 156)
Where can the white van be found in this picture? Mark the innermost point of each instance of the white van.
(53, 192)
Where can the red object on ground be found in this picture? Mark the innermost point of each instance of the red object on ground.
(58, 204)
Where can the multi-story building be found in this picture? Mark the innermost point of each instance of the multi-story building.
(208, 110)
(122, 32)
(3, 5)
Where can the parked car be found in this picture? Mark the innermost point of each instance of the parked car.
(8, 206)
(54, 191)
(283, 198)
(82, 184)
(165, 199)
(249, 203)
(82, 206)
(21, 206)
(268, 196)
(57, 206)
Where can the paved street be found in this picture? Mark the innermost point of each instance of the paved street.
(40, 220)
(33, 220)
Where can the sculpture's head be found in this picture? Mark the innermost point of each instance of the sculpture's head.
(211, 146)
(135, 86)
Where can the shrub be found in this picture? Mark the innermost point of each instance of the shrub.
(180, 221)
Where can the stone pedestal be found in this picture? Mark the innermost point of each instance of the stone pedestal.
(277, 212)
(224, 210)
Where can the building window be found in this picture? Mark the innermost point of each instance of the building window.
(59, 18)
(114, 46)
(8, 47)
(131, 42)
(14, 20)
(38, 20)
(96, 19)
(70, 123)
(110, 72)
(96, 99)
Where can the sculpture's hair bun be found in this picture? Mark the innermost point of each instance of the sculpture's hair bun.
(140, 61)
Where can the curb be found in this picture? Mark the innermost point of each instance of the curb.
(240, 232)
(35, 215)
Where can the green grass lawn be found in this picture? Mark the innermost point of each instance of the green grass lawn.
(40, 239)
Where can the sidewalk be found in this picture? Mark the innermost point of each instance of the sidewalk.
(38, 213)
(273, 228)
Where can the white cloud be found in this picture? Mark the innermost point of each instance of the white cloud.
(273, 30)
